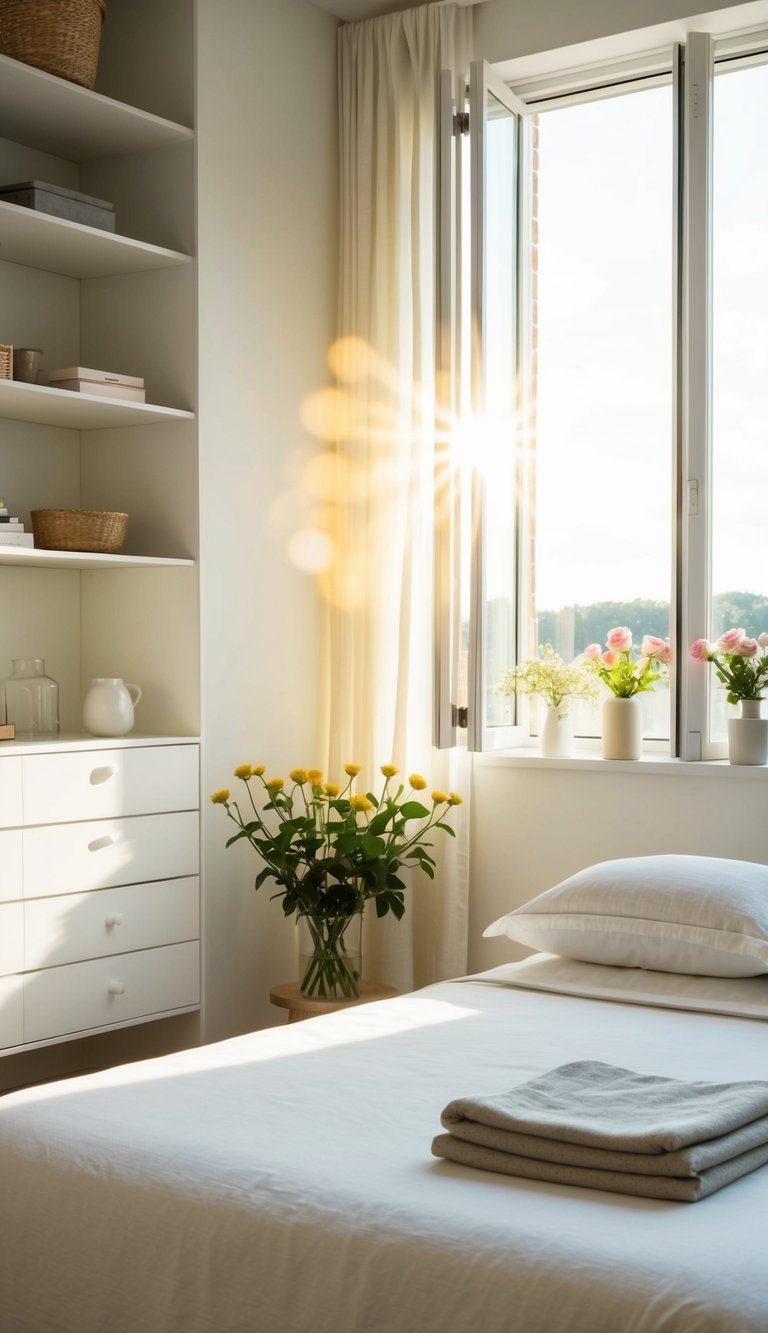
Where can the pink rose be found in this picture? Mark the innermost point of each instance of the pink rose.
(728, 642)
(664, 654)
(762, 639)
(609, 659)
(701, 650)
(619, 639)
(593, 652)
(653, 647)
(747, 647)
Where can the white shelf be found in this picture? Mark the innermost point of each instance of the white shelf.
(40, 241)
(58, 117)
(82, 740)
(79, 411)
(35, 558)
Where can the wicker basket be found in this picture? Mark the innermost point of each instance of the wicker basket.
(60, 36)
(78, 530)
(6, 362)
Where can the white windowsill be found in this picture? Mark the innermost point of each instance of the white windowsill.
(586, 760)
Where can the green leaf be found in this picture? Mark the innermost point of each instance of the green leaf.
(447, 828)
(372, 847)
(413, 810)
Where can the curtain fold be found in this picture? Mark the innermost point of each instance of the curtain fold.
(378, 657)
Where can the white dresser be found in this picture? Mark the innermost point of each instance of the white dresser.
(99, 887)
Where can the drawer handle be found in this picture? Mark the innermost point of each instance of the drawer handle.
(99, 843)
(100, 775)
(116, 919)
(116, 987)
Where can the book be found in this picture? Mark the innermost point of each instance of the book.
(7, 731)
(16, 538)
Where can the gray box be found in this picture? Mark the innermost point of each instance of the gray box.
(61, 203)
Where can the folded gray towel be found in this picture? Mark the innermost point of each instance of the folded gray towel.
(604, 1127)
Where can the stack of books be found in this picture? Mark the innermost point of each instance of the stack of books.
(12, 531)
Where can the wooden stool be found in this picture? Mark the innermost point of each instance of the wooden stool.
(288, 996)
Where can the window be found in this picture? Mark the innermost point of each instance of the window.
(619, 399)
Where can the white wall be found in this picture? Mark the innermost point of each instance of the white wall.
(267, 215)
(505, 29)
(532, 826)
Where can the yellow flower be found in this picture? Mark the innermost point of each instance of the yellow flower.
(314, 775)
(297, 775)
(274, 784)
(360, 803)
(439, 798)
(352, 769)
(220, 797)
(455, 799)
(417, 781)
(259, 769)
(243, 771)
(389, 770)
(332, 789)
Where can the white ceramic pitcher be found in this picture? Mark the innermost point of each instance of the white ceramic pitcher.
(108, 706)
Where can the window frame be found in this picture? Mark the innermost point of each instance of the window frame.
(691, 68)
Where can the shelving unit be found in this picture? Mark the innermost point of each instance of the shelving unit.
(79, 411)
(59, 246)
(125, 303)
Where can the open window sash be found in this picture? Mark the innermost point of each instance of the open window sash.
(500, 403)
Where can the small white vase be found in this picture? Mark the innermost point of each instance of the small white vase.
(108, 706)
(622, 728)
(556, 740)
(748, 735)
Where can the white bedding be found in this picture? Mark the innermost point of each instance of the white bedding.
(282, 1182)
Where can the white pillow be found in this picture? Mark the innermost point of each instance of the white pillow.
(696, 914)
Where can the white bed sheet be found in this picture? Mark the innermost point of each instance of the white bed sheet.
(282, 1183)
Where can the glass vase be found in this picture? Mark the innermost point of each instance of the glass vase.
(31, 699)
(330, 957)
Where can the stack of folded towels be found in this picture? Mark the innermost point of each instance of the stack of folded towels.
(607, 1128)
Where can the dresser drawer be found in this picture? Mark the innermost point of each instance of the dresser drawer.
(10, 865)
(11, 938)
(109, 921)
(100, 784)
(11, 1012)
(10, 791)
(108, 991)
(71, 858)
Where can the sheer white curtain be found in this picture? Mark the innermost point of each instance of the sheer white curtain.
(379, 586)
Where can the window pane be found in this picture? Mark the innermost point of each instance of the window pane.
(499, 455)
(740, 384)
(600, 490)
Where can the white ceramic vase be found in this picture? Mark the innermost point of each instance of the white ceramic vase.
(748, 735)
(556, 740)
(622, 728)
(108, 706)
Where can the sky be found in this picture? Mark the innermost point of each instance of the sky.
(604, 438)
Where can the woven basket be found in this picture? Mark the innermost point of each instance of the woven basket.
(78, 530)
(6, 362)
(60, 36)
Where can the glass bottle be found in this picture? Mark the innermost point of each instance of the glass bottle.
(31, 698)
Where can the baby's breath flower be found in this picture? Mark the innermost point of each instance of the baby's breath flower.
(553, 679)
(352, 770)
(259, 769)
(220, 797)
(243, 771)
(389, 770)
(274, 784)
(440, 797)
(332, 789)
(314, 775)
(455, 799)
(360, 803)
(297, 775)
(417, 781)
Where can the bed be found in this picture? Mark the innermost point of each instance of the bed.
(282, 1182)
